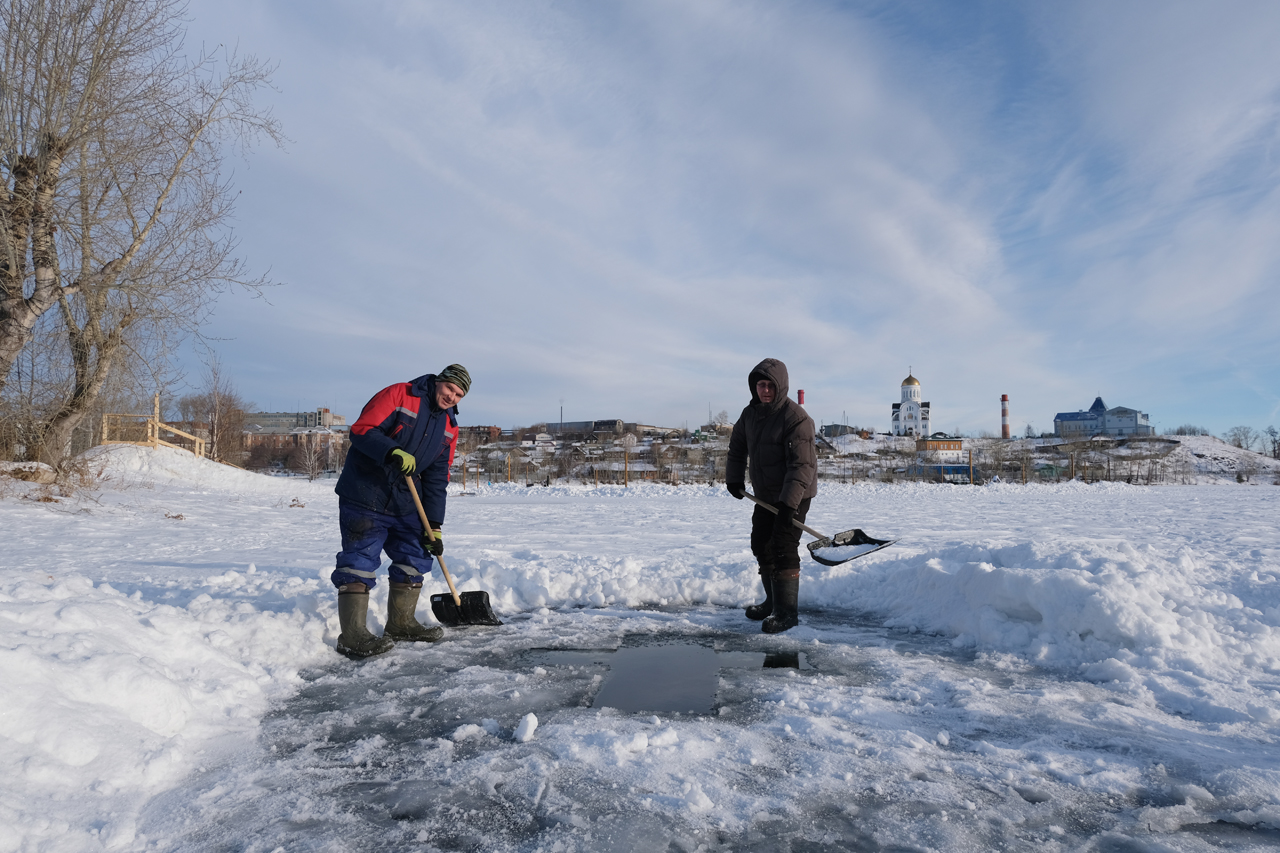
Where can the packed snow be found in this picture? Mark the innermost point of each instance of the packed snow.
(1061, 666)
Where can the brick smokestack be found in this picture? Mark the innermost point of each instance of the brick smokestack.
(1004, 416)
(800, 396)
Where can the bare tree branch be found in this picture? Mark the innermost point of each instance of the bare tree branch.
(115, 207)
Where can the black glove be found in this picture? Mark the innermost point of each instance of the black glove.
(738, 490)
(435, 547)
(783, 523)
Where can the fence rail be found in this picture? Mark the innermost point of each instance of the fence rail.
(145, 430)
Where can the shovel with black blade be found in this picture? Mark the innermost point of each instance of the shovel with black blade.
(837, 549)
(470, 608)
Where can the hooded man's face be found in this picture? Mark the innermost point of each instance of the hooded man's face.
(766, 390)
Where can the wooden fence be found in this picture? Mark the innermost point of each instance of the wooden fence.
(147, 430)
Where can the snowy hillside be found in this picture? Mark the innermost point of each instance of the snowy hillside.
(1065, 666)
(1162, 460)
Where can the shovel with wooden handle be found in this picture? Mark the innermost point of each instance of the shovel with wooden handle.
(453, 610)
(837, 549)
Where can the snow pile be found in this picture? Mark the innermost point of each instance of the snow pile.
(120, 689)
(133, 466)
(123, 696)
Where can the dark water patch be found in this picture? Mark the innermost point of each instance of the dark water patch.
(665, 677)
(1233, 836)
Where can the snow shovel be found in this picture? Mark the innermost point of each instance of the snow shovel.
(470, 608)
(837, 549)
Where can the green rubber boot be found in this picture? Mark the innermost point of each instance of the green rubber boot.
(786, 615)
(757, 612)
(402, 604)
(355, 641)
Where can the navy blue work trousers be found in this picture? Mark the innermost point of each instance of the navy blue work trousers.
(366, 534)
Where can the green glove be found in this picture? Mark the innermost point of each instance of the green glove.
(406, 462)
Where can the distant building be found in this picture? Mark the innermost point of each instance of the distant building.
(1100, 420)
(910, 417)
(482, 434)
(271, 442)
(942, 458)
(577, 430)
(321, 417)
(837, 430)
(940, 447)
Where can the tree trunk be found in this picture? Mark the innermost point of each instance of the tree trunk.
(92, 367)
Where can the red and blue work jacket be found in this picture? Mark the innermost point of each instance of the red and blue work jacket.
(401, 417)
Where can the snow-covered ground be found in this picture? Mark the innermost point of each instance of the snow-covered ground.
(1060, 667)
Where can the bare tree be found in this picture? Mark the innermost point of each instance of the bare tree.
(219, 405)
(1272, 442)
(1242, 437)
(309, 457)
(114, 206)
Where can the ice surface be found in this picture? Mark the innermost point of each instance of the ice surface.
(1066, 667)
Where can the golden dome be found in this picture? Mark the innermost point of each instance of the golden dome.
(910, 380)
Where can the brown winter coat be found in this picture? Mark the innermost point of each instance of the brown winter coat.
(778, 441)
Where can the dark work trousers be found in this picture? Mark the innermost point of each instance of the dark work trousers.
(366, 534)
(785, 555)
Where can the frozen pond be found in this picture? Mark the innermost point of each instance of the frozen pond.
(1053, 668)
(876, 740)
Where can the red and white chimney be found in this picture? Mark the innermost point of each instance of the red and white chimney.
(1004, 416)
(800, 396)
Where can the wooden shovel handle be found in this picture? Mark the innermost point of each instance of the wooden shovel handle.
(773, 509)
(422, 514)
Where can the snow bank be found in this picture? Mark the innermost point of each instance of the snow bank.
(111, 698)
(131, 466)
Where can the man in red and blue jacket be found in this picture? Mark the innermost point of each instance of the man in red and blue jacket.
(407, 429)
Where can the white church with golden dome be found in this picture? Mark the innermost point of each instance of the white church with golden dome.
(910, 417)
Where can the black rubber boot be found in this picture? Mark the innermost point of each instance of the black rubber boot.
(355, 641)
(756, 612)
(786, 588)
(402, 604)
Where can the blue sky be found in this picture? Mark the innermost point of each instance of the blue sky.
(620, 208)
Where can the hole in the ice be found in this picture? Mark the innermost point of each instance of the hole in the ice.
(666, 678)
(1033, 795)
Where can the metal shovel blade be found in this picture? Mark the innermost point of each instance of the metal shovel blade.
(473, 610)
(843, 547)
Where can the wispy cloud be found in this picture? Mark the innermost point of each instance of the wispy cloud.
(627, 205)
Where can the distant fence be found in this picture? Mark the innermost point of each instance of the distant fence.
(146, 430)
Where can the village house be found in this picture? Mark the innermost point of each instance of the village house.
(1100, 420)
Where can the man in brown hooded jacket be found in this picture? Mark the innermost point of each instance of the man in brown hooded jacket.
(773, 442)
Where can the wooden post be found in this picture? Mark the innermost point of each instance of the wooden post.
(970, 466)
(626, 467)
